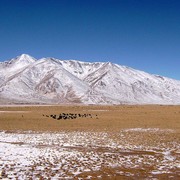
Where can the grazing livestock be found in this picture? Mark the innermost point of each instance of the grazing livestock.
(69, 116)
(60, 117)
(53, 116)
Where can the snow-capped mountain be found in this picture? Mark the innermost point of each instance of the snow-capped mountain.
(48, 80)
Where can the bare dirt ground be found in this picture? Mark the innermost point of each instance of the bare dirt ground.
(118, 142)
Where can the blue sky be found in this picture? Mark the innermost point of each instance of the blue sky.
(143, 34)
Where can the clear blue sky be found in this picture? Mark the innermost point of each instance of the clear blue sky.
(143, 34)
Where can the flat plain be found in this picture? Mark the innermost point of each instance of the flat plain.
(115, 142)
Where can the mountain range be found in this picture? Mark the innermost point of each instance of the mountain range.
(25, 79)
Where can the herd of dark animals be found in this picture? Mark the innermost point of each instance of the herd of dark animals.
(65, 116)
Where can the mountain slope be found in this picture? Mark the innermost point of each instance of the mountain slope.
(129, 85)
(48, 80)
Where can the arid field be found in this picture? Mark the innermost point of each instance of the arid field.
(112, 142)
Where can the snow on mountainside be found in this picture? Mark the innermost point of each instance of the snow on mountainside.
(48, 80)
(9, 68)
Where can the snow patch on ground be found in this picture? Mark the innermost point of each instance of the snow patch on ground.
(14, 111)
(61, 155)
(148, 130)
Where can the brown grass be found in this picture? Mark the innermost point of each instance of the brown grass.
(110, 118)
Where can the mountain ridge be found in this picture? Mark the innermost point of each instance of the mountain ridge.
(25, 79)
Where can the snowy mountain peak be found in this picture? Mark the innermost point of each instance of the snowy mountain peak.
(15, 65)
(50, 80)
(21, 61)
(25, 58)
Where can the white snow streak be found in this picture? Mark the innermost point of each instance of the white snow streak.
(70, 154)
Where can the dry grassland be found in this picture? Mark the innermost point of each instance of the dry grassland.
(121, 142)
(110, 118)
